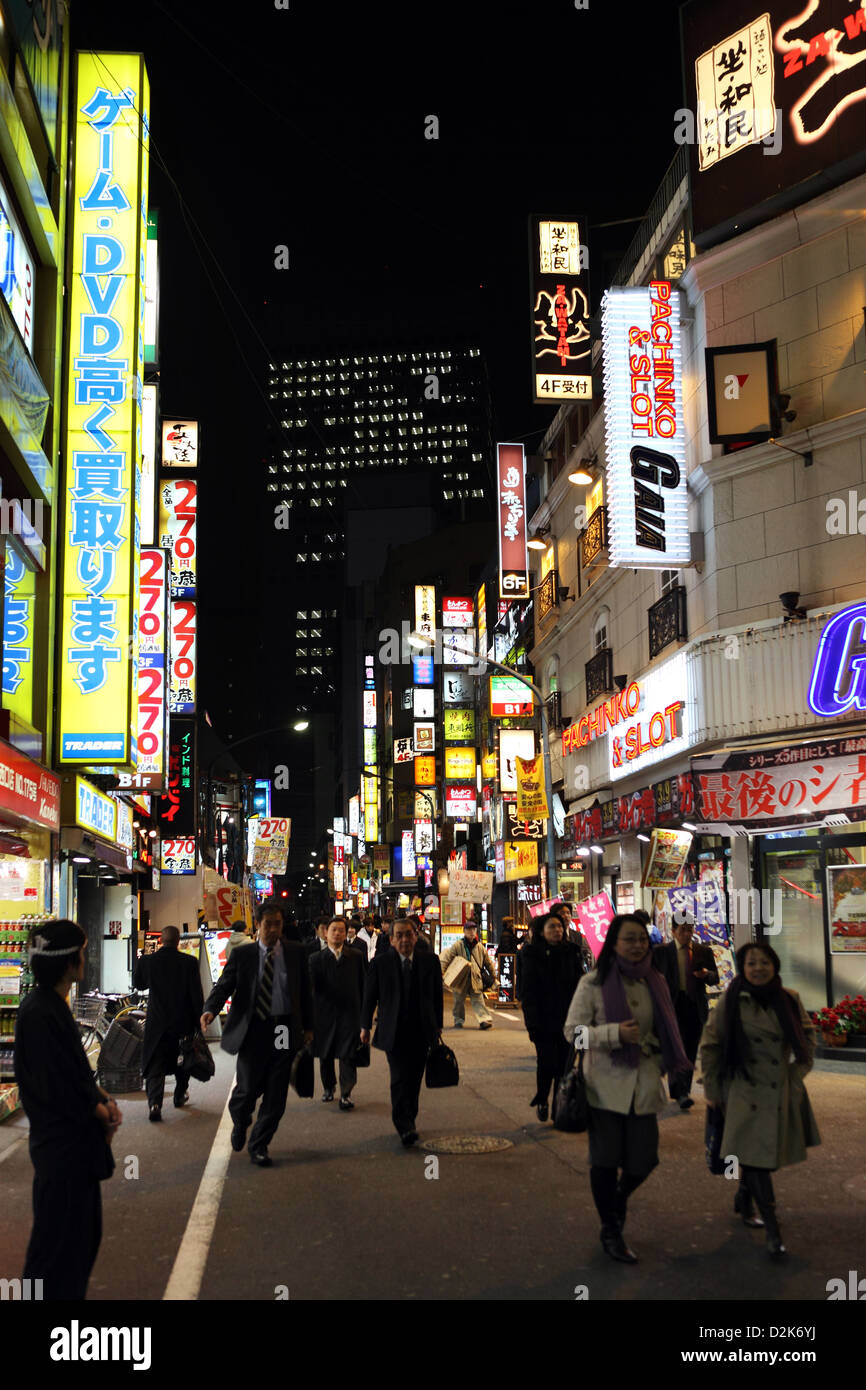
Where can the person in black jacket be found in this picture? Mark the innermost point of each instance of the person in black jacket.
(270, 1018)
(688, 969)
(550, 973)
(174, 1005)
(406, 985)
(72, 1120)
(337, 977)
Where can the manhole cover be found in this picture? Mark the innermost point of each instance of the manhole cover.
(467, 1144)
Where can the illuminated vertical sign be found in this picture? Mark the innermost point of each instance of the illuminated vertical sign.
(148, 464)
(182, 680)
(178, 510)
(561, 338)
(511, 521)
(151, 290)
(101, 516)
(18, 615)
(425, 610)
(647, 498)
(180, 443)
(371, 807)
(152, 658)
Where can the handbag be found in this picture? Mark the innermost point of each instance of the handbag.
(488, 976)
(713, 1129)
(570, 1103)
(194, 1056)
(302, 1077)
(362, 1055)
(442, 1069)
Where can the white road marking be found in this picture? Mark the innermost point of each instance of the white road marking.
(185, 1280)
(512, 1018)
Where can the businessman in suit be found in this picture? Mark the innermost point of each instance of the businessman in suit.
(406, 985)
(173, 1008)
(337, 977)
(688, 969)
(317, 943)
(271, 1016)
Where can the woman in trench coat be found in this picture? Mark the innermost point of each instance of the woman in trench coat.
(623, 1017)
(757, 1046)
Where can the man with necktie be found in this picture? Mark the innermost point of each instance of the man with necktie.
(337, 976)
(688, 970)
(271, 1016)
(406, 986)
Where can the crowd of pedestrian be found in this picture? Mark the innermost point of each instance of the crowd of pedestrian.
(636, 1015)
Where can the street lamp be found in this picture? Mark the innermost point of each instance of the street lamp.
(419, 641)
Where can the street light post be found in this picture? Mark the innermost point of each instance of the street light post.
(417, 639)
(297, 727)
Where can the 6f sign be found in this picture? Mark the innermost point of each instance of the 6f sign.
(839, 674)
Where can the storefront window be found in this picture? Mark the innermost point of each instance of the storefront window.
(846, 914)
(25, 867)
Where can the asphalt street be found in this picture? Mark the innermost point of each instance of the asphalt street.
(346, 1212)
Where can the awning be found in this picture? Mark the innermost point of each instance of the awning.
(82, 842)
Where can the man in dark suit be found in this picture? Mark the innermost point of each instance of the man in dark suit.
(317, 942)
(406, 985)
(688, 970)
(337, 976)
(270, 1017)
(173, 1007)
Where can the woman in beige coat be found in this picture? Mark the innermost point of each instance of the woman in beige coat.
(622, 1016)
(757, 1046)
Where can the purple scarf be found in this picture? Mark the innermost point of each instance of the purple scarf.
(616, 1010)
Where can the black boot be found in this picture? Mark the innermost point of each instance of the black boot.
(604, 1192)
(760, 1185)
(745, 1207)
(627, 1184)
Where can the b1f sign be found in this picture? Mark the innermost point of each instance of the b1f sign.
(647, 498)
(511, 522)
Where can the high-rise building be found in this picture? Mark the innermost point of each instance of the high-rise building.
(396, 432)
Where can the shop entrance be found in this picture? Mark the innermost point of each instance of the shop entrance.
(807, 914)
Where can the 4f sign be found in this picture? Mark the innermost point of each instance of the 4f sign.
(839, 674)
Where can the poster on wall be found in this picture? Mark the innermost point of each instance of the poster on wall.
(668, 852)
(846, 908)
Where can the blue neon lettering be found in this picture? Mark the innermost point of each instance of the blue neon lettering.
(93, 244)
(839, 674)
(100, 334)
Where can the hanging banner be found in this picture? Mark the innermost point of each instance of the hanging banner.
(595, 915)
(511, 522)
(531, 794)
(100, 513)
(561, 338)
(469, 886)
(645, 437)
(521, 859)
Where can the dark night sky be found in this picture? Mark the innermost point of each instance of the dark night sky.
(305, 127)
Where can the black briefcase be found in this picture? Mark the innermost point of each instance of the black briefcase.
(302, 1078)
(442, 1069)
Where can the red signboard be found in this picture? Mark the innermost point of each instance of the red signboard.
(27, 790)
(511, 522)
(458, 612)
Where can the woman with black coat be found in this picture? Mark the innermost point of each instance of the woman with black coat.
(550, 970)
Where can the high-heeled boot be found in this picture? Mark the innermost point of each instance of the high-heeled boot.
(604, 1191)
(760, 1185)
(745, 1207)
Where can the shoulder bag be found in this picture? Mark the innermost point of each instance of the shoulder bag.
(570, 1103)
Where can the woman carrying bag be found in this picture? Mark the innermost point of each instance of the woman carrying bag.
(552, 967)
(757, 1046)
(631, 1040)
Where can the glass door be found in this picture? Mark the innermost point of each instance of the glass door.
(792, 916)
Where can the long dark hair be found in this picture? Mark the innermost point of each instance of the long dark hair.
(607, 954)
(738, 1054)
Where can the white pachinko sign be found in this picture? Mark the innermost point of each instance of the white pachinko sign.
(646, 494)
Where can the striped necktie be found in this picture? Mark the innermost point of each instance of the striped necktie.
(266, 985)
